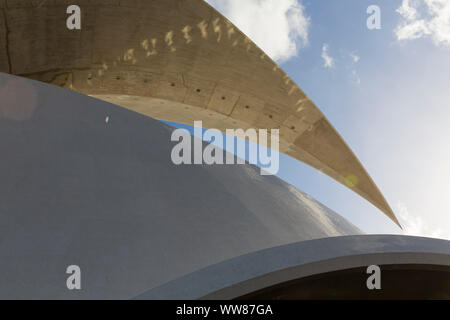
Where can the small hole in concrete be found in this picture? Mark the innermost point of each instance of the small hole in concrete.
(172, 84)
(270, 116)
(247, 107)
(117, 78)
(293, 128)
(198, 90)
(223, 98)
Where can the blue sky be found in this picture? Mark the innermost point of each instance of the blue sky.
(386, 91)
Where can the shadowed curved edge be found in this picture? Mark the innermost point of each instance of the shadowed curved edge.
(255, 271)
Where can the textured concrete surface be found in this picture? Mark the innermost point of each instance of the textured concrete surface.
(176, 60)
(258, 270)
(104, 195)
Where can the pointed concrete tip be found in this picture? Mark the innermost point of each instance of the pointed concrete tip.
(323, 148)
(394, 218)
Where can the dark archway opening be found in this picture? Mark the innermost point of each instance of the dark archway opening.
(397, 282)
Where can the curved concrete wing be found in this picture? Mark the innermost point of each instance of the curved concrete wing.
(84, 182)
(176, 60)
(256, 271)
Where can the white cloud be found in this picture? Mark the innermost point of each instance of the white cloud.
(354, 57)
(415, 225)
(328, 61)
(356, 77)
(423, 18)
(278, 27)
(407, 11)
